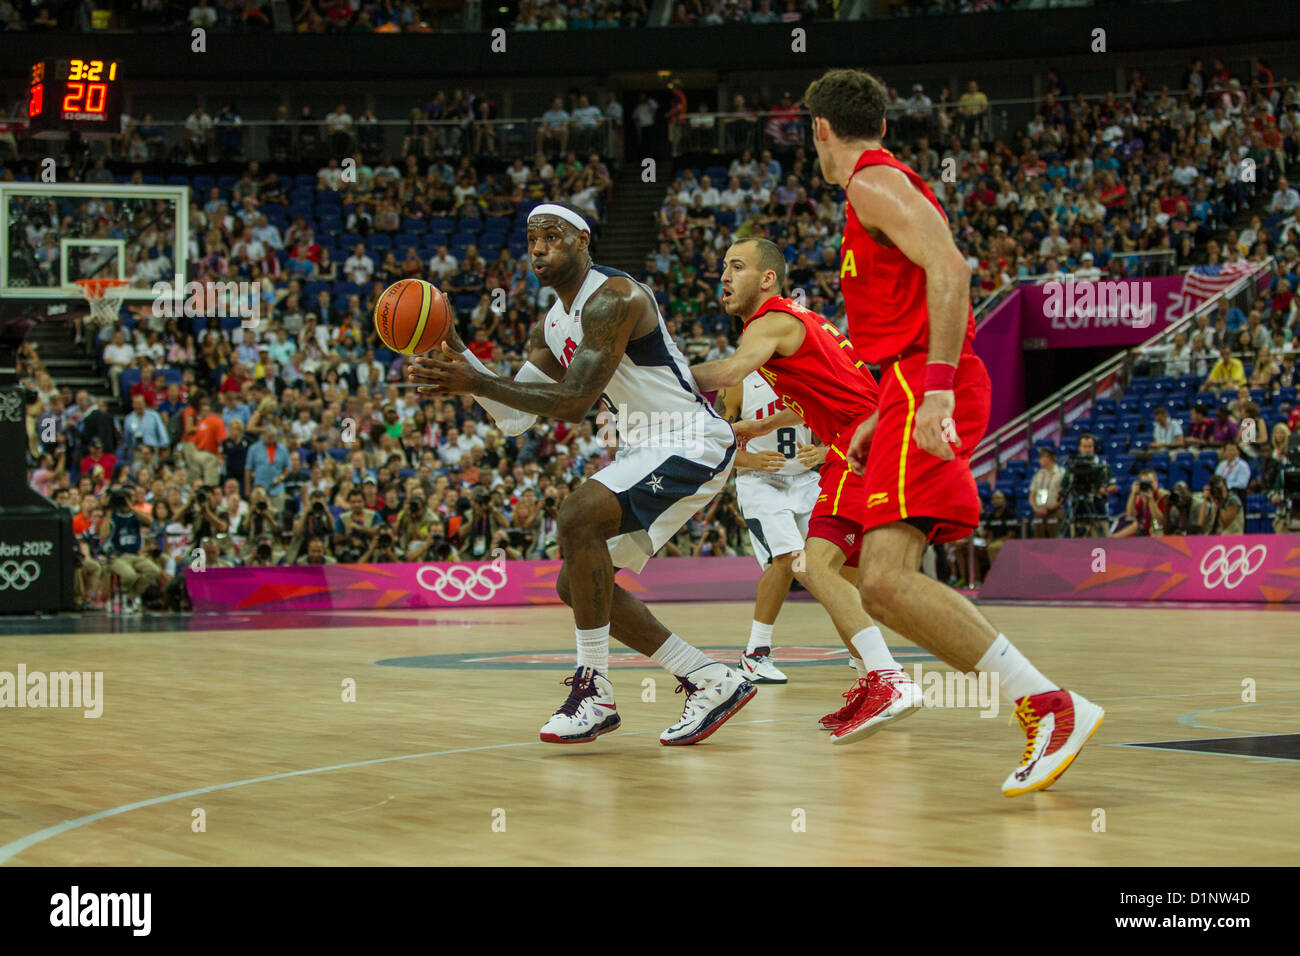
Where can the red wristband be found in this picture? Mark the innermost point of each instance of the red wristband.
(939, 376)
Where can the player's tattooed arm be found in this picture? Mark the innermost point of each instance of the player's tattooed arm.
(607, 323)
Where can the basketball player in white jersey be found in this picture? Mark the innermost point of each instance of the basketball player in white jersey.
(604, 341)
(777, 490)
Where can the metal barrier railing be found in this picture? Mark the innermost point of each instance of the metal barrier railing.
(1050, 417)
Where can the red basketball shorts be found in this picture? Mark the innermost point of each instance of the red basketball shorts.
(841, 500)
(904, 482)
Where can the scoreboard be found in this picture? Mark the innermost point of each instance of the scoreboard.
(66, 95)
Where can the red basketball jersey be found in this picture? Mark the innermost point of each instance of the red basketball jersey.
(824, 383)
(884, 291)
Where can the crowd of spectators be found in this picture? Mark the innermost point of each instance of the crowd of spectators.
(289, 442)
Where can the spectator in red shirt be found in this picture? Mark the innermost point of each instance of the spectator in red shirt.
(481, 347)
(99, 457)
(235, 378)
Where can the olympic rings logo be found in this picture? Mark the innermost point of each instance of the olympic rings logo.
(18, 576)
(1231, 566)
(461, 580)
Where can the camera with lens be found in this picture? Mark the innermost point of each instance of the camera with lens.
(118, 501)
(1145, 487)
(260, 506)
(549, 502)
(317, 508)
(201, 498)
(385, 539)
(263, 552)
(415, 505)
(1085, 475)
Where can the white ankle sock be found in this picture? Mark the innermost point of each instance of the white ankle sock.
(593, 648)
(858, 666)
(679, 658)
(760, 635)
(1017, 677)
(870, 645)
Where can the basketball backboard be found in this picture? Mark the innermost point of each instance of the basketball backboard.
(55, 234)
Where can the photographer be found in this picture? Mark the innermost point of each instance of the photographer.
(123, 539)
(1181, 517)
(263, 554)
(383, 549)
(1085, 487)
(1220, 510)
(546, 530)
(435, 547)
(355, 529)
(259, 521)
(316, 553)
(315, 522)
(481, 525)
(202, 516)
(1147, 509)
(413, 523)
(712, 544)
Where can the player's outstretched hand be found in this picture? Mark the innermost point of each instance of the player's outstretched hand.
(441, 373)
(935, 430)
(812, 456)
(861, 443)
(750, 428)
(768, 460)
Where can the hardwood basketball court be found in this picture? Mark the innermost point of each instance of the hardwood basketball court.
(437, 761)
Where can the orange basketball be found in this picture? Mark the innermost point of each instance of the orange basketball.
(412, 316)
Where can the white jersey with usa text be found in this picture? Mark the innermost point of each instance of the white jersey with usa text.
(759, 401)
(652, 393)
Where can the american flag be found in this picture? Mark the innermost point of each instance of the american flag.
(1204, 282)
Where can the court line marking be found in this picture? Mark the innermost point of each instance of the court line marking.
(9, 850)
(12, 849)
(1189, 720)
(1208, 753)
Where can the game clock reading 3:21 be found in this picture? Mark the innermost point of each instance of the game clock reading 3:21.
(69, 95)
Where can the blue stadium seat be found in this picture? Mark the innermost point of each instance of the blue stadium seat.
(405, 473)
(339, 454)
(346, 288)
(301, 212)
(202, 184)
(304, 179)
(417, 226)
(152, 180)
(1008, 488)
(1104, 405)
(349, 240)
(379, 242)
(314, 288)
(130, 377)
(470, 226)
(178, 181)
(465, 303)
(230, 323)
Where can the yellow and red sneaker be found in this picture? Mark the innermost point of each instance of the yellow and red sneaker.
(1057, 724)
(883, 697)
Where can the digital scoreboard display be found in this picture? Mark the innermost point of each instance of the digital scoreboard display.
(64, 95)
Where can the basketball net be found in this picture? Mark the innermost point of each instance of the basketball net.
(104, 297)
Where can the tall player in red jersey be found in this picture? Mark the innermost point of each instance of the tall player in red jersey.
(818, 378)
(906, 288)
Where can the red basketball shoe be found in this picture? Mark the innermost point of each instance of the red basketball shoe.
(1058, 723)
(880, 698)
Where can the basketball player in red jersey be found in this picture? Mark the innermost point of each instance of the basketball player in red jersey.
(906, 288)
(818, 378)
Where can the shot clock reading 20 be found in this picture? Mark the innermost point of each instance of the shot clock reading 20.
(67, 95)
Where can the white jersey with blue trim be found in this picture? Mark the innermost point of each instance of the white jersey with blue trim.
(759, 401)
(652, 389)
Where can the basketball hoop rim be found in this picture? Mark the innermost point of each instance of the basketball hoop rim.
(95, 289)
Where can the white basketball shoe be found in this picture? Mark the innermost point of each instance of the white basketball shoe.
(1056, 724)
(714, 692)
(759, 669)
(588, 712)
